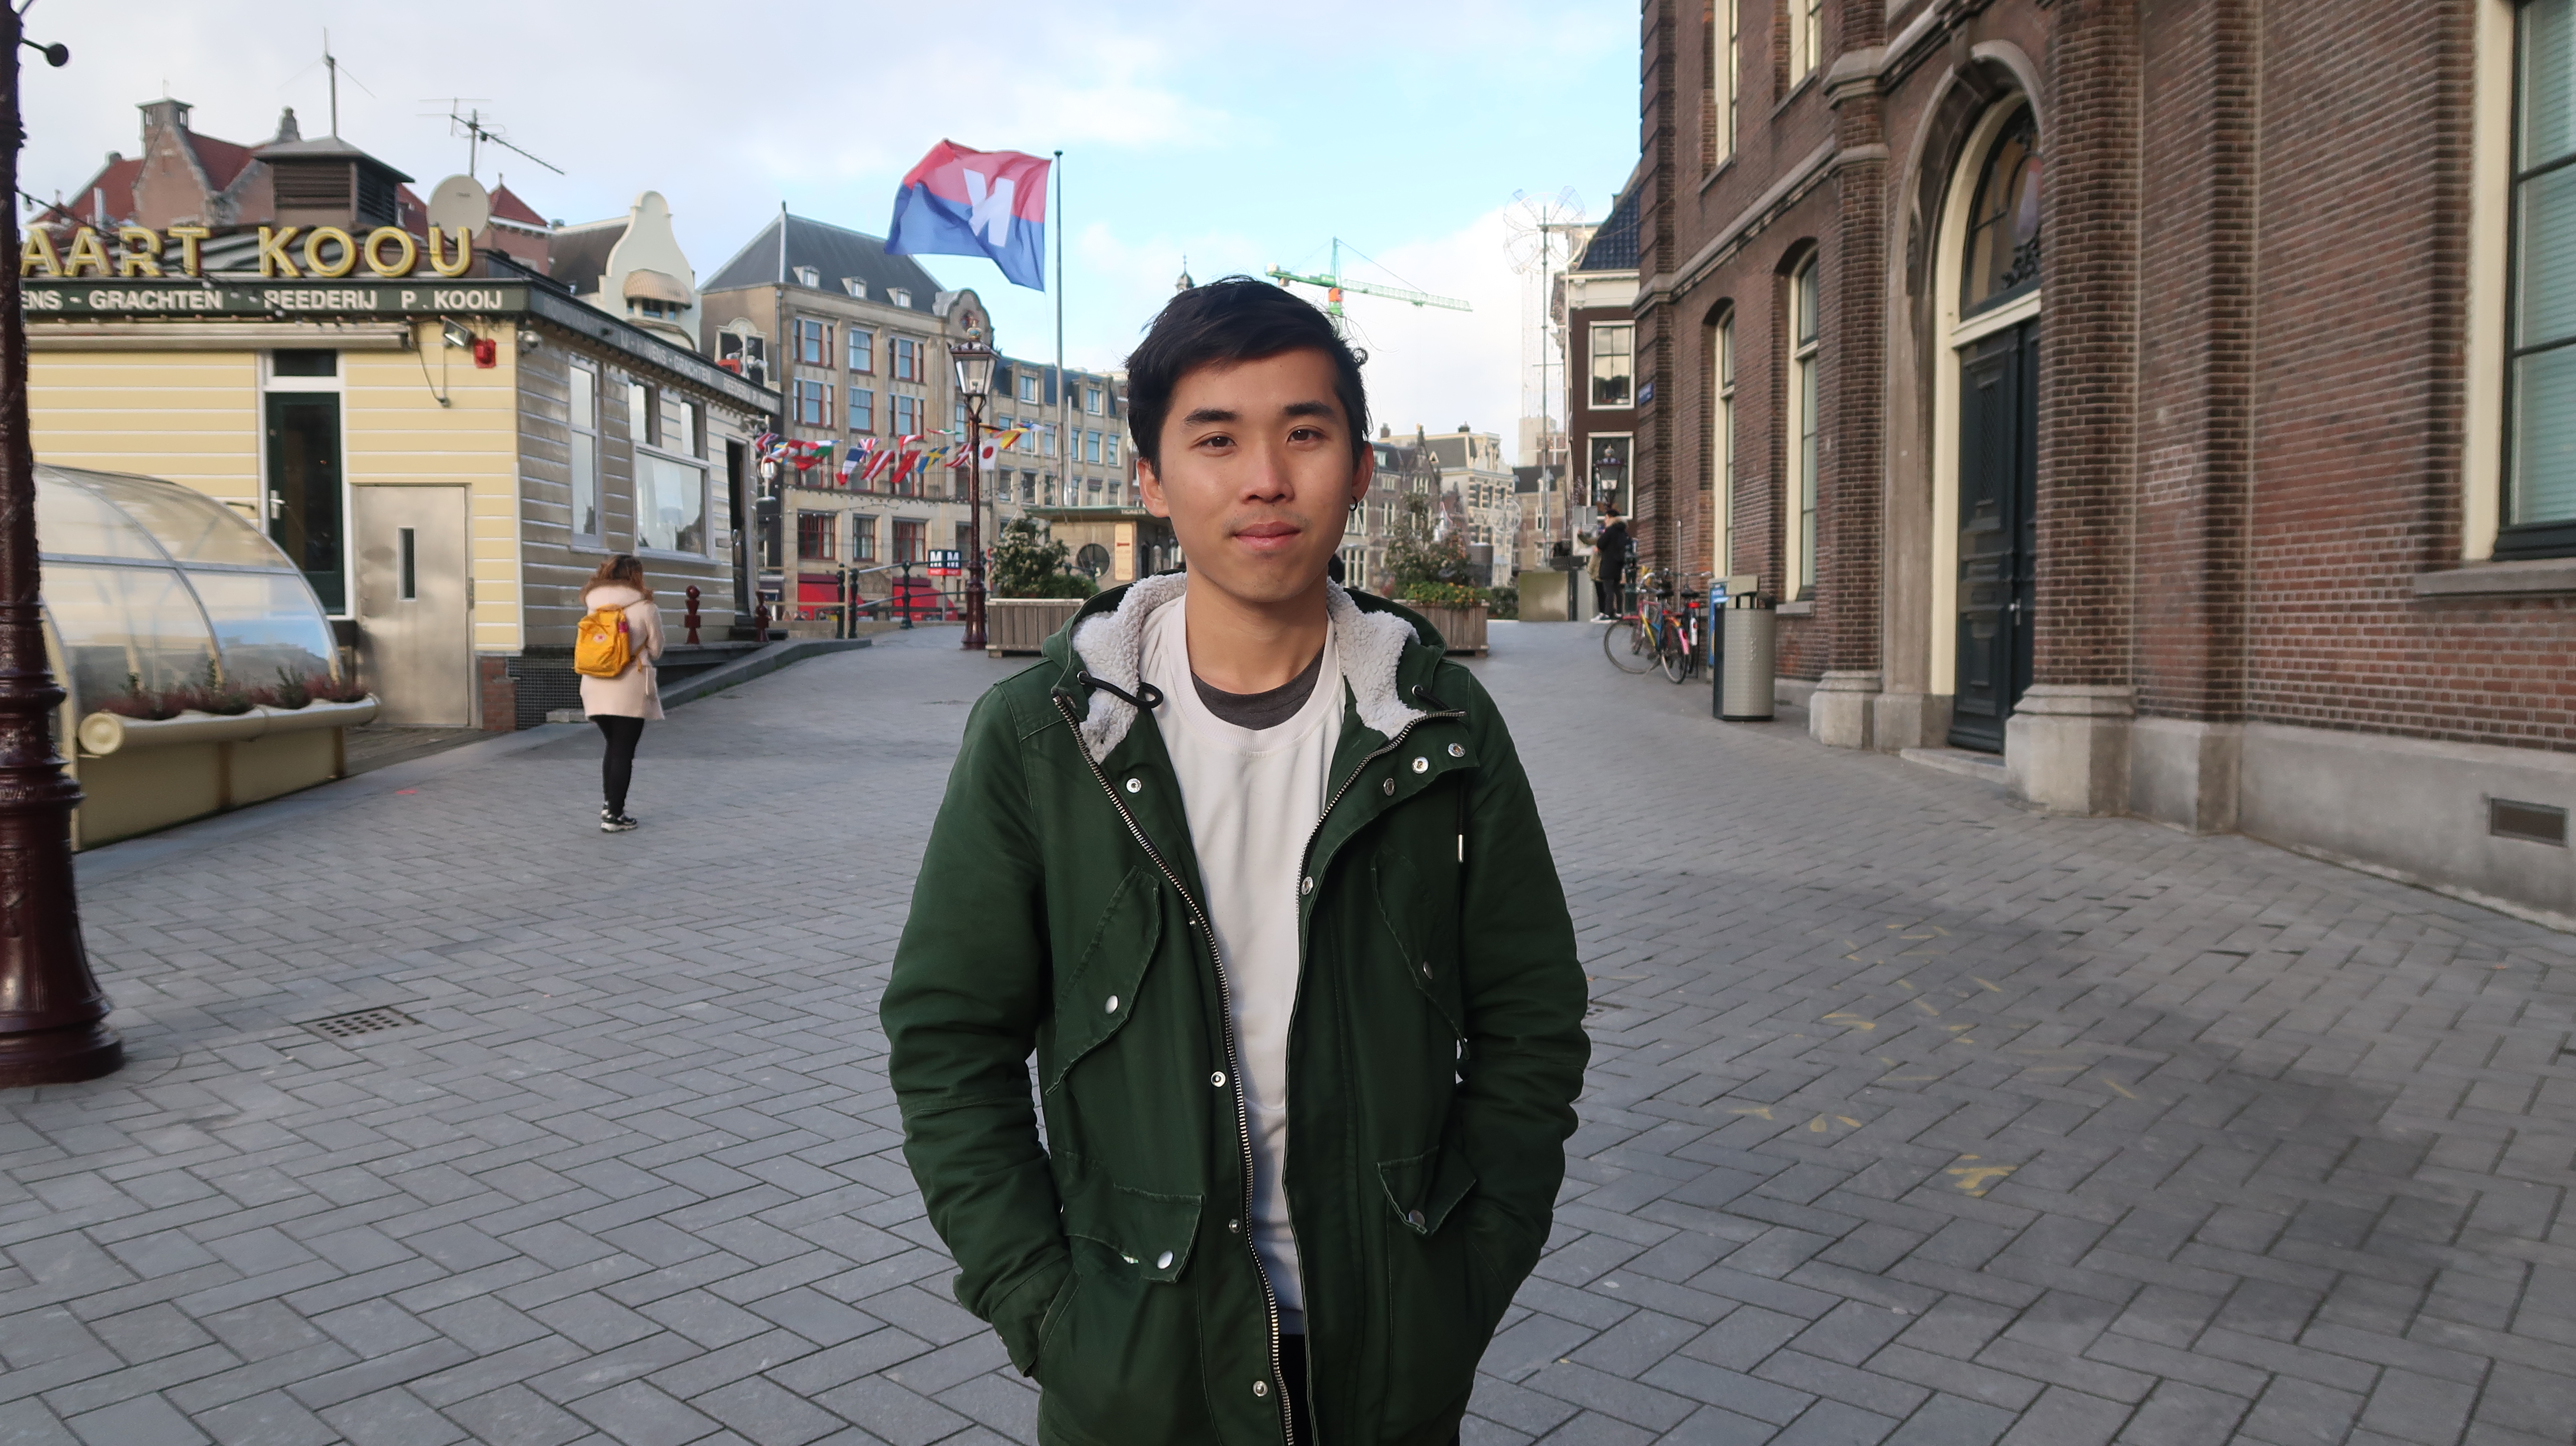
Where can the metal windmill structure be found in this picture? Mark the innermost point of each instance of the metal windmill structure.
(1335, 283)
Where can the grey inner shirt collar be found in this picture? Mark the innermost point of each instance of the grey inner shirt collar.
(1262, 710)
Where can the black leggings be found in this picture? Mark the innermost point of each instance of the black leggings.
(617, 766)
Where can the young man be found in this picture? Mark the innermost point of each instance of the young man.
(1257, 877)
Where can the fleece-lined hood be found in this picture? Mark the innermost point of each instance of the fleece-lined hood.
(1107, 640)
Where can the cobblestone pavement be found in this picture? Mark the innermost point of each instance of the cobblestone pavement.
(1913, 1118)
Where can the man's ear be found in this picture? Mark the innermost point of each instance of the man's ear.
(1363, 474)
(1152, 488)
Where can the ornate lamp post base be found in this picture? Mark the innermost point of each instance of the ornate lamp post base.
(59, 1056)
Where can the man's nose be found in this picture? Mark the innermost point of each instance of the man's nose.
(1266, 480)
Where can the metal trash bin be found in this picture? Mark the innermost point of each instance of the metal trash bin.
(1748, 661)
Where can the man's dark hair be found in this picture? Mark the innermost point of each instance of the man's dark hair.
(1236, 319)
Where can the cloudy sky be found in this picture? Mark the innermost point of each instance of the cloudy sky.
(1237, 136)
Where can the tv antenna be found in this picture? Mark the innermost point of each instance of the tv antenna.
(478, 132)
(330, 63)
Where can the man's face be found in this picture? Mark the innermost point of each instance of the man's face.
(1257, 474)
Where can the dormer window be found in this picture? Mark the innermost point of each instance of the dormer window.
(898, 296)
(855, 287)
(808, 276)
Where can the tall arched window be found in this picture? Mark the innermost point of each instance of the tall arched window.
(2003, 221)
(1721, 471)
(1804, 343)
(2540, 443)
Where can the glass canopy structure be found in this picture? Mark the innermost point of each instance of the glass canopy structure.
(149, 584)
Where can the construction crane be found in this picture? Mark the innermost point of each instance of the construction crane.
(1334, 284)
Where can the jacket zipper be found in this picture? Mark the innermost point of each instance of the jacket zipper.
(1233, 1066)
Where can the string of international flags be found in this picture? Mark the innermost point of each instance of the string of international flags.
(893, 460)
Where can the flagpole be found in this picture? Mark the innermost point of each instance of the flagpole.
(1063, 391)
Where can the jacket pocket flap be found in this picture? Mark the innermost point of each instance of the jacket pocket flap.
(1095, 999)
(1424, 929)
(1425, 1188)
(1151, 1233)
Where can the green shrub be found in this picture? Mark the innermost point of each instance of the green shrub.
(1028, 564)
(1506, 602)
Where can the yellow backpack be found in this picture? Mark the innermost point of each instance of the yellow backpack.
(600, 648)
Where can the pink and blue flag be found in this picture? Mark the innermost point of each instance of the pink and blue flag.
(958, 202)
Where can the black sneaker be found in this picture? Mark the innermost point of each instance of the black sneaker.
(615, 822)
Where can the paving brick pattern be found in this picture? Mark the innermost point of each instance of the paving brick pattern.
(1913, 1118)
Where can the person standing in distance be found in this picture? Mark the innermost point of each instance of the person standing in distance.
(1610, 567)
(619, 705)
(1255, 874)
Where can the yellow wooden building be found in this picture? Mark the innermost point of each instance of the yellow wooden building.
(445, 459)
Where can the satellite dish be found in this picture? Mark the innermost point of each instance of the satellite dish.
(460, 201)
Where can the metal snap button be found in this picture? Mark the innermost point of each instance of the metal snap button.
(1163, 1261)
(1422, 765)
(1234, 1227)
(1217, 1079)
(1414, 1219)
(1426, 971)
(1389, 786)
(1261, 1388)
(1457, 751)
(1308, 886)
(1111, 1007)
(1135, 785)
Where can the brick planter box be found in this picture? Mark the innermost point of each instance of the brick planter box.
(1022, 624)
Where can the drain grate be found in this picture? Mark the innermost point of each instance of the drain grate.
(364, 1021)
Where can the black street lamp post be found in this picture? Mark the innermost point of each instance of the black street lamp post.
(53, 1018)
(974, 380)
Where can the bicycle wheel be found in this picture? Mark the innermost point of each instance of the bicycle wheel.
(1675, 653)
(1627, 646)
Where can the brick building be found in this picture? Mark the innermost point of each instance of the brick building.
(2242, 502)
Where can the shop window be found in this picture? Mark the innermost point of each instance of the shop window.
(814, 535)
(582, 428)
(670, 504)
(908, 544)
(863, 410)
(675, 425)
(1613, 364)
(813, 342)
(2540, 438)
(745, 355)
(1803, 369)
(863, 350)
(639, 412)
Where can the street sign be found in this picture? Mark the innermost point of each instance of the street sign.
(944, 562)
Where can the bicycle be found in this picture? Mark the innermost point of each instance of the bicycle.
(1630, 638)
(1681, 645)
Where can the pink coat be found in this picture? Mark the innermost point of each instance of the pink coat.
(633, 693)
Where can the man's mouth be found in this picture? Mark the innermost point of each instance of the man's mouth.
(1267, 536)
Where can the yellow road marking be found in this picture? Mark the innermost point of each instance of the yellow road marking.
(1848, 1120)
(1763, 1110)
(1988, 983)
(1855, 1021)
(1978, 1179)
(1926, 1006)
(2119, 1089)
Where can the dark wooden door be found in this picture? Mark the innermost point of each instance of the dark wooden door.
(1998, 532)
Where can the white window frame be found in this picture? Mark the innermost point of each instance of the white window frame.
(1592, 355)
(1725, 78)
(1806, 39)
(580, 428)
(1802, 432)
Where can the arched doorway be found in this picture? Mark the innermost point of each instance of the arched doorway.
(1990, 417)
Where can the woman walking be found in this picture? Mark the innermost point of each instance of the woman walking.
(619, 704)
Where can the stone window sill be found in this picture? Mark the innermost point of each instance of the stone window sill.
(2536, 577)
(1804, 607)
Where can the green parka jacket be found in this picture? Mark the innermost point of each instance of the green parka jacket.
(1435, 1051)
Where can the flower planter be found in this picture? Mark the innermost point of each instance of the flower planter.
(1023, 624)
(1463, 629)
(105, 734)
(140, 774)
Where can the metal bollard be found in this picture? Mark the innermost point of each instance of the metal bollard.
(692, 618)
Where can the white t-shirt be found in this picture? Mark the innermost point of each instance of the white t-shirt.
(1252, 797)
